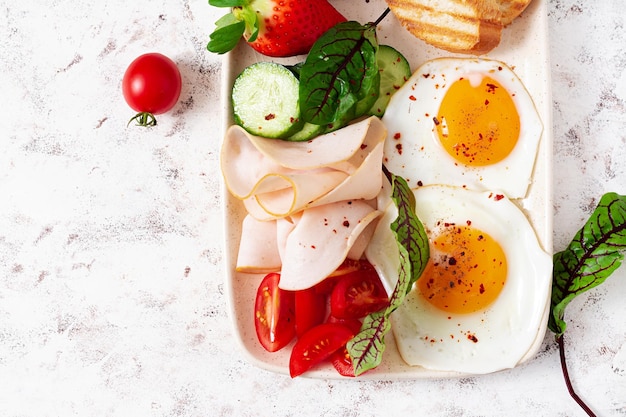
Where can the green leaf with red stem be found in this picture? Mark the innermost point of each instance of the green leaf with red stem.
(595, 252)
(366, 348)
(340, 71)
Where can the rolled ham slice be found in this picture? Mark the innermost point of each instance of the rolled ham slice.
(275, 178)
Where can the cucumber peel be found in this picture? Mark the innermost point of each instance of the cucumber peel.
(394, 71)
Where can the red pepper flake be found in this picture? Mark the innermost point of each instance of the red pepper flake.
(270, 116)
(399, 148)
(426, 75)
(313, 247)
(491, 88)
(498, 197)
(397, 135)
(436, 121)
(469, 222)
(346, 223)
(472, 337)
(482, 288)
(419, 183)
(363, 146)
(412, 98)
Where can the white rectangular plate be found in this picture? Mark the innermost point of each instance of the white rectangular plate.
(524, 47)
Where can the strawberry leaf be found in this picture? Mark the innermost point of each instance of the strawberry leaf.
(228, 3)
(366, 348)
(225, 37)
(595, 252)
(339, 72)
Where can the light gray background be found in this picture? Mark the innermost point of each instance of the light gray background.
(111, 278)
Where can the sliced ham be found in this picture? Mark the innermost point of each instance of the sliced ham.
(321, 241)
(258, 248)
(276, 178)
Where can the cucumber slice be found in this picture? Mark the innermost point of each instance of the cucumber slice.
(308, 132)
(394, 71)
(265, 100)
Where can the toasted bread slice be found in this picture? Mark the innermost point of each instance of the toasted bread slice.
(511, 9)
(462, 26)
(468, 26)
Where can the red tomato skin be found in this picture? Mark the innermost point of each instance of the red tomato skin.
(357, 294)
(341, 359)
(274, 314)
(346, 267)
(310, 308)
(317, 345)
(342, 362)
(352, 324)
(152, 83)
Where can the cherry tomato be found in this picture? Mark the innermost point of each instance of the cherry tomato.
(151, 85)
(342, 362)
(316, 345)
(310, 309)
(341, 359)
(352, 324)
(347, 266)
(274, 314)
(358, 293)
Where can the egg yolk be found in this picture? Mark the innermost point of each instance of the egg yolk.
(478, 125)
(466, 271)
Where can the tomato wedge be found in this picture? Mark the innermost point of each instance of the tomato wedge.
(274, 314)
(342, 362)
(347, 266)
(352, 324)
(316, 345)
(341, 359)
(358, 293)
(310, 309)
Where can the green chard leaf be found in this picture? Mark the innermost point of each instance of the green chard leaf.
(366, 348)
(340, 72)
(595, 252)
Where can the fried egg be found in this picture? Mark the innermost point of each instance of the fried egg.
(481, 304)
(465, 122)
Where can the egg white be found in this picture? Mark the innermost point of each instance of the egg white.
(413, 150)
(496, 338)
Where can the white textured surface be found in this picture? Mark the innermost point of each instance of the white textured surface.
(111, 280)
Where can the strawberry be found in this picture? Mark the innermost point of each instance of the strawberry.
(276, 28)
